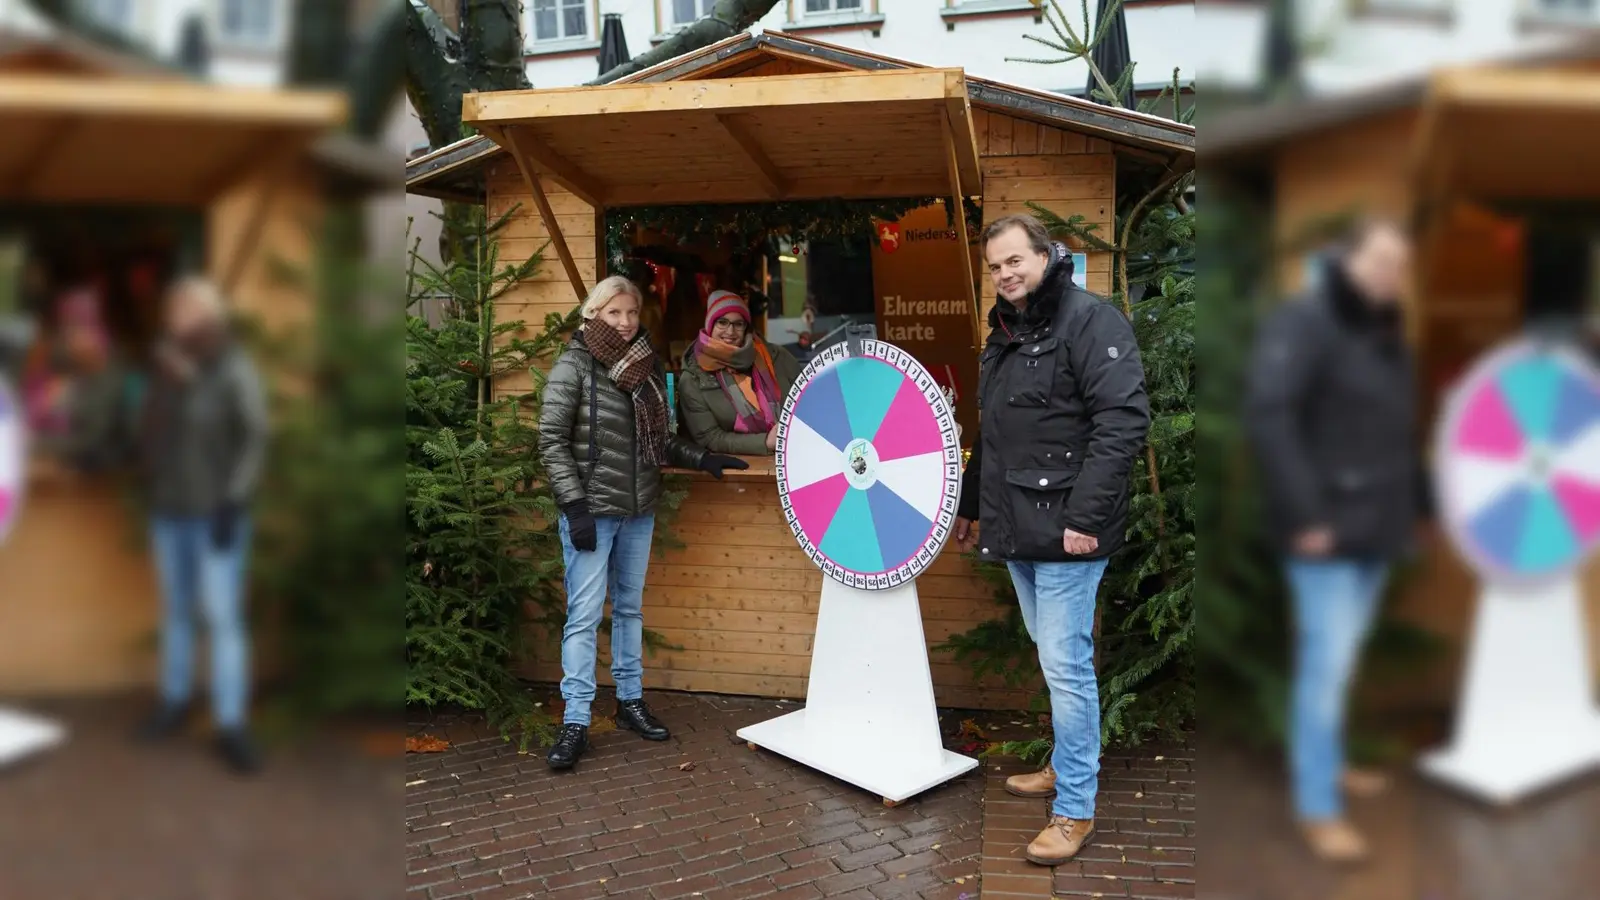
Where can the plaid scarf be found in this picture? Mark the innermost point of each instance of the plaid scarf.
(632, 366)
(746, 376)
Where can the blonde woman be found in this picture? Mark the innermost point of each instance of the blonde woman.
(603, 438)
(204, 436)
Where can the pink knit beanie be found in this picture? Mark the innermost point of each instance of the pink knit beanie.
(722, 303)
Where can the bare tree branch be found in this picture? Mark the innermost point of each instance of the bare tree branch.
(492, 45)
(434, 81)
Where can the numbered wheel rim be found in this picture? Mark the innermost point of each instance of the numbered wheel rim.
(1518, 463)
(11, 460)
(869, 465)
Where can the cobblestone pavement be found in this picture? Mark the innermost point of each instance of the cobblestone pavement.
(701, 815)
(1144, 843)
(103, 818)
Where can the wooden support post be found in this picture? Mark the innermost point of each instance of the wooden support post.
(962, 238)
(546, 213)
(250, 235)
(574, 179)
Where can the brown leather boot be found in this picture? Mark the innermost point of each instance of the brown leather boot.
(1335, 841)
(1033, 784)
(1060, 841)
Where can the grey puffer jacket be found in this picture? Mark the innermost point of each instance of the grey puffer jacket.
(587, 441)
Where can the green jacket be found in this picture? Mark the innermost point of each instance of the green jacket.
(612, 481)
(707, 414)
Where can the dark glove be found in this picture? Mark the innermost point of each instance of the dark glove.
(716, 464)
(225, 527)
(580, 526)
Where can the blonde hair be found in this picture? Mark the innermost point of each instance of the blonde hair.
(601, 295)
(200, 294)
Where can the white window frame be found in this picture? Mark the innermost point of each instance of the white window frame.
(277, 11)
(670, 17)
(804, 12)
(531, 23)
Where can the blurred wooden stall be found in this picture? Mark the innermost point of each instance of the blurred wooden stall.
(213, 177)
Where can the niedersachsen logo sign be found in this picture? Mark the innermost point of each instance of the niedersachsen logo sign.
(892, 237)
(12, 470)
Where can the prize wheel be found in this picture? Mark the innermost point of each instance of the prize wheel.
(11, 459)
(1518, 463)
(869, 465)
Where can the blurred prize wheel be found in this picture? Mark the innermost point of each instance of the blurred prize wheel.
(13, 467)
(21, 735)
(869, 470)
(1517, 473)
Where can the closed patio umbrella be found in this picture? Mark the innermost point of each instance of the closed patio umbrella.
(1111, 55)
(613, 45)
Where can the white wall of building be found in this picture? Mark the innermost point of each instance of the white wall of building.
(1159, 36)
(1353, 46)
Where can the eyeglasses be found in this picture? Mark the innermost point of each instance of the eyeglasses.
(735, 325)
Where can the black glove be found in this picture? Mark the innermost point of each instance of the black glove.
(716, 464)
(225, 527)
(580, 526)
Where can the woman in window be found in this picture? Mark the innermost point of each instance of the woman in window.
(734, 382)
(603, 439)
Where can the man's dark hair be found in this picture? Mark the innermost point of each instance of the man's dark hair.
(1038, 235)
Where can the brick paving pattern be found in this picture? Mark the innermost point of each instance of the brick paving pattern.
(1144, 843)
(699, 815)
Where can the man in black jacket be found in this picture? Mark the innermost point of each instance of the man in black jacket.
(1331, 413)
(1063, 415)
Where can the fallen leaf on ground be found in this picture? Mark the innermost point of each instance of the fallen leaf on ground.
(426, 744)
(601, 726)
(687, 767)
(970, 729)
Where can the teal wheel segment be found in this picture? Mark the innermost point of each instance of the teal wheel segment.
(1548, 541)
(851, 540)
(1532, 388)
(869, 386)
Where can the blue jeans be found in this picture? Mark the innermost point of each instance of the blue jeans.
(1335, 602)
(1057, 600)
(620, 558)
(193, 575)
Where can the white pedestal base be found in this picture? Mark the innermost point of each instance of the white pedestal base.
(870, 717)
(22, 736)
(1528, 719)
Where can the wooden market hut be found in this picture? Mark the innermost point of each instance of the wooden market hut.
(240, 176)
(771, 117)
(1463, 156)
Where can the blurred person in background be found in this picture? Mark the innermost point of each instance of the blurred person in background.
(204, 440)
(734, 382)
(1064, 414)
(1332, 417)
(603, 438)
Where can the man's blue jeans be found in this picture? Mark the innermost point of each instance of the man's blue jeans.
(195, 576)
(620, 557)
(1058, 600)
(1335, 602)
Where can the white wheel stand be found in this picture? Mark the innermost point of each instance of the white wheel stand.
(1528, 719)
(22, 736)
(870, 718)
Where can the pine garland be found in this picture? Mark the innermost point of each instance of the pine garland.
(747, 224)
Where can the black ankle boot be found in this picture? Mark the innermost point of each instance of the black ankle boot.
(238, 751)
(635, 716)
(574, 739)
(167, 720)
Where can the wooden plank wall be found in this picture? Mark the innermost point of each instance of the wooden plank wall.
(741, 600)
(547, 290)
(1063, 171)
